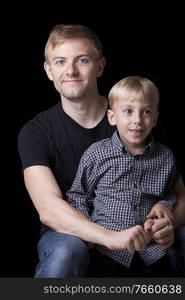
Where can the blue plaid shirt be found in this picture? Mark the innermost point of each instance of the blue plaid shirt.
(117, 190)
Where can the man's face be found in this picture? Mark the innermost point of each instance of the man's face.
(73, 66)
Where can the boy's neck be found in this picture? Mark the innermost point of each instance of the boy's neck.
(134, 149)
(138, 150)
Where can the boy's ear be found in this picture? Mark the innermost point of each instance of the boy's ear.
(156, 118)
(101, 66)
(111, 118)
(48, 70)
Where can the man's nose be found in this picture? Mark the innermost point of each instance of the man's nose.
(71, 69)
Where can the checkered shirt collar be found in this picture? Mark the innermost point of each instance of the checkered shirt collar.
(148, 149)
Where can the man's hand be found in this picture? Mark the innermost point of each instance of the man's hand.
(131, 239)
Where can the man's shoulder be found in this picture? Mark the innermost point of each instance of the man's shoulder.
(46, 115)
(42, 118)
(39, 125)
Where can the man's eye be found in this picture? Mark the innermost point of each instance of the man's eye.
(83, 60)
(60, 62)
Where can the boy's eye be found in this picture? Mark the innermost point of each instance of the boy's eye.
(146, 112)
(127, 111)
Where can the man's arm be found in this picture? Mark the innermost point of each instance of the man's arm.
(53, 210)
(179, 210)
(62, 217)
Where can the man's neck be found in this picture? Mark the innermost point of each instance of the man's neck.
(88, 113)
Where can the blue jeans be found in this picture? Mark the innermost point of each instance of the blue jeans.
(177, 251)
(61, 256)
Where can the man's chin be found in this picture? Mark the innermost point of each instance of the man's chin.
(73, 96)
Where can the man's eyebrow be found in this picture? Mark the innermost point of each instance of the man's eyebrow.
(76, 57)
(58, 57)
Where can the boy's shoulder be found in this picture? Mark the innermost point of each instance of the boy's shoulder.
(100, 145)
(97, 149)
(161, 146)
(163, 149)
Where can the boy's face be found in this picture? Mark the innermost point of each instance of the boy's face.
(73, 67)
(134, 120)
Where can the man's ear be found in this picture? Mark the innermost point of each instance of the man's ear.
(47, 68)
(100, 67)
(156, 118)
(111, 117)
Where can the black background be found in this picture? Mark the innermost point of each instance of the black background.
(144, 40)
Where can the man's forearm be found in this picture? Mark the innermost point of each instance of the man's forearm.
(56, 212)
(179, 210)
(62, 217)
(179, 214)
(68, 220)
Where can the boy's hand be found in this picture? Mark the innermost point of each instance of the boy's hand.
(162, 232)
(158, 211)
(159, 224)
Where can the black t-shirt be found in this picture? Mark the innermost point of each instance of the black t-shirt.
(54, 139)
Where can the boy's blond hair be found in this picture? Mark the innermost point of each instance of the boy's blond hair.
(134, 87)
(61, 32)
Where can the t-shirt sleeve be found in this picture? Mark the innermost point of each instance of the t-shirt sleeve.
(33, 146)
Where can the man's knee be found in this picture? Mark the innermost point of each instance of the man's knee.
(62, 255)
(70, 247)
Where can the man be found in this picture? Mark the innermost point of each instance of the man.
(52, 144)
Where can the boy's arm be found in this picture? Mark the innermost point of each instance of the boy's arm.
(81, 193)
(175, 215)
(81, 196)
(169, 195)
(169, 192)
(162, 230)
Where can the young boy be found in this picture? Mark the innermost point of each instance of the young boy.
(126, 181)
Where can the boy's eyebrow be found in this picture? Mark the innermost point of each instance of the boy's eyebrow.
(131, 105)
(127, 105)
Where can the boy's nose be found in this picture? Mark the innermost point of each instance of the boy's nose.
(137, 118)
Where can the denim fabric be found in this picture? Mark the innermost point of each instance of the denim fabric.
(61, 256)
(177, 251)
